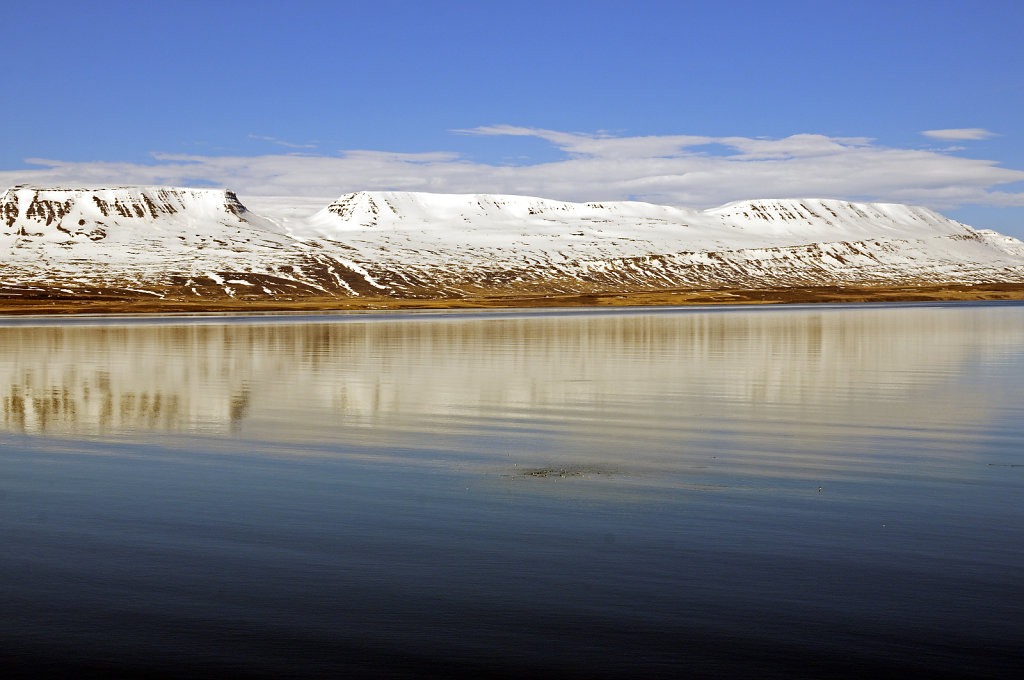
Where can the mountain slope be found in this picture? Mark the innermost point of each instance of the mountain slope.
(160, 240)
(203, 242)
(484, 243)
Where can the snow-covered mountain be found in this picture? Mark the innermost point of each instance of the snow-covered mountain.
(158, 240)
(180, 241)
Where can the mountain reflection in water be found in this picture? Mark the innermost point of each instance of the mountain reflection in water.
(220, 377)
(585, 385)
(819, 490)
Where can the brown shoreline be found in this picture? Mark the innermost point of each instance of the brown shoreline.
(120, 303)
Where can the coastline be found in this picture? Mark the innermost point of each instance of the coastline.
(116, 302)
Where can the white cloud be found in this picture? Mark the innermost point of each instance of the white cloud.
(281, 142)
(673, 169)
(971, 134)
(582, 144)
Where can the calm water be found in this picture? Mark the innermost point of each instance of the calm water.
(790, 492)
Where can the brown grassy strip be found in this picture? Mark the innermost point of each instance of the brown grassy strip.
(43, 302)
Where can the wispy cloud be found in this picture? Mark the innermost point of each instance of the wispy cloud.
(689, 170)
(281, 142)
(969, 134)
(583, 144)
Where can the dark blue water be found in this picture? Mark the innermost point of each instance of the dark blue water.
(798, 492)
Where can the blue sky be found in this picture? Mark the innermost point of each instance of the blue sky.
(673, 102)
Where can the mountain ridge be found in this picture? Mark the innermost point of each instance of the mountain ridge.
(201, 242)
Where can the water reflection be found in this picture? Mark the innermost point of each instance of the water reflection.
(552, 495)
(310, 381)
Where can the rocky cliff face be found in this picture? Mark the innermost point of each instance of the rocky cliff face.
(203, 242)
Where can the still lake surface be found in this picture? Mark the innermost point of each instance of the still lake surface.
(773, 492)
